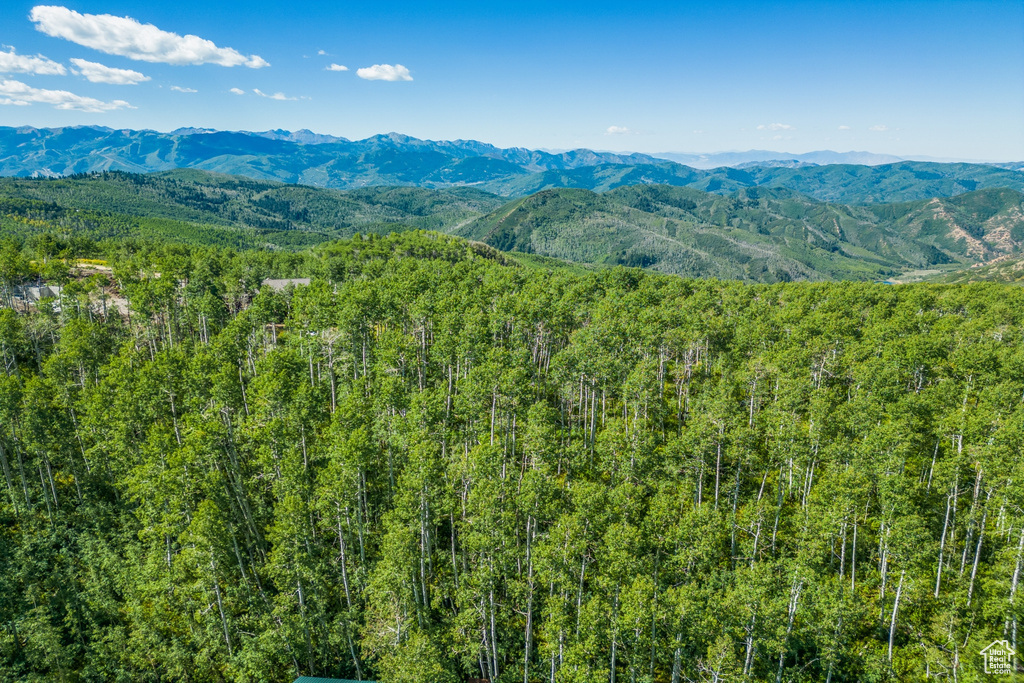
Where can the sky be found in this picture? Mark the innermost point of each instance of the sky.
(935, 78)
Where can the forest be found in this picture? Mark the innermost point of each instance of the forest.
(756, 234)
(436, 463)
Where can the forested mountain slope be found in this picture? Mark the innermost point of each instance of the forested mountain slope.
(839, 183)
(429, 466)
(393, 159)
(900, 182)
(755, 234)
(1009, 270)
(221, 200)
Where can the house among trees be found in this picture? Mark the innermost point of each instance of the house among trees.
(36, 294)
(317, 679)
(283, 284)
(26, 295)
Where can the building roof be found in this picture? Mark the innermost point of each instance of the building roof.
(38, 293)
(317, 679)
(279, 286)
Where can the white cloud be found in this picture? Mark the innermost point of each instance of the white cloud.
(237, 91)
(844, 128)
(280, 96)
(18, 93)
(337, 67)
(617, 130)
(24, 64)
(98, 73)
(127, 37)
(775, 126)
(178, 88)
(321, 52)
(880, 128)
(384, 72)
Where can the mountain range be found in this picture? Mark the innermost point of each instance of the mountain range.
(307, 158)
(714, 160)
(754, 234)
(760, 156)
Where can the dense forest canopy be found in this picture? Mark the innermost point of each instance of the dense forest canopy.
(435, 464)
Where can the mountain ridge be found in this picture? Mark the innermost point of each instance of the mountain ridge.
(756, 156)
(393, 159)
(759, 234)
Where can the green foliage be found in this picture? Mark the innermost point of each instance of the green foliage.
(1001, 270)
(433, 463)
(754, 234)
(195, 207)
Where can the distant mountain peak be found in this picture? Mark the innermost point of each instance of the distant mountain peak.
(302, 136)
(193, 131)
(777, 163)
(394, 159)
(763, 157)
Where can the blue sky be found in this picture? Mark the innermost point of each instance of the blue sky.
(937, 78)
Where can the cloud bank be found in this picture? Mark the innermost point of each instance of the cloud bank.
(98, 73)
(775, 126)
(384, 72)
(18, 93)
(617, 130)
(23, 64)
(178, 88)
(129, 38)
(337, 67)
